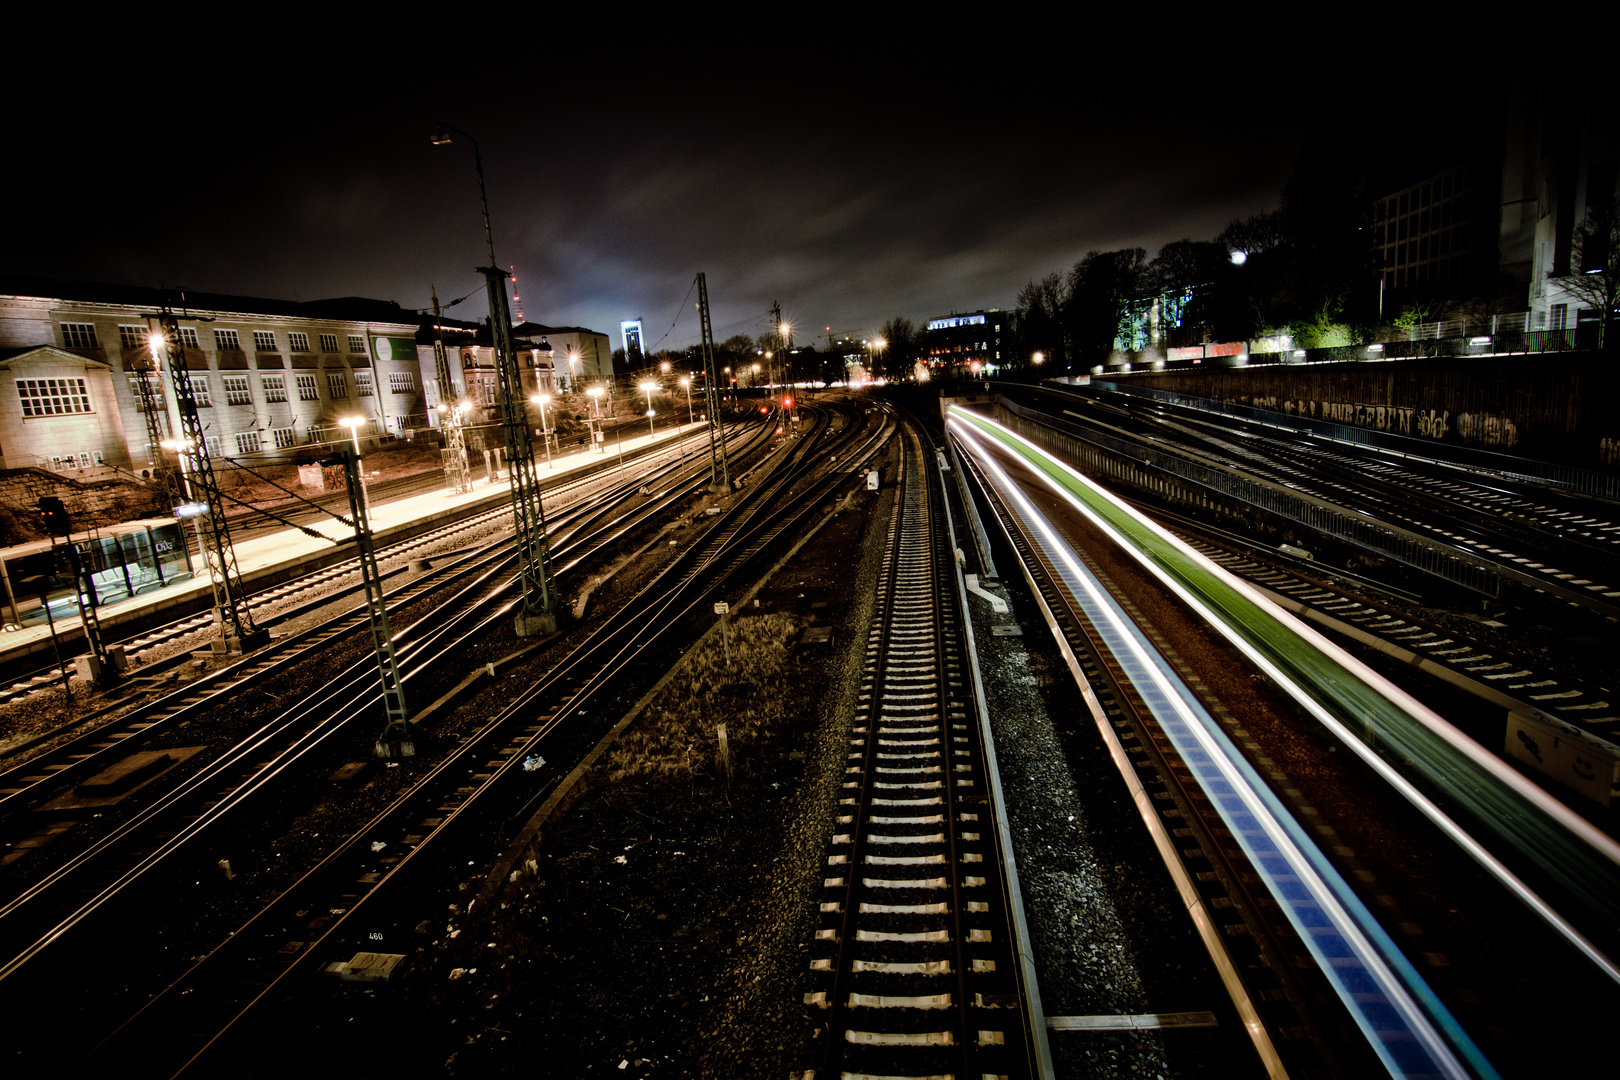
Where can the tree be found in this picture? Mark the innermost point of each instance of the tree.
(1181, 263)
(1101, 285)
(901, 352)
(1041, 307)
(1593, 278)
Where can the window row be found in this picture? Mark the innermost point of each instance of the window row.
(53, 397)
(274, 387)
(133, 336)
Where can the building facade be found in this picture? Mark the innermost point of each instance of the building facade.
(271, 378)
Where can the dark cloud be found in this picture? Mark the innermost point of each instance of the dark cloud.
(847, 196)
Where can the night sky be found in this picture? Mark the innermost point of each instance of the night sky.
(850, 193)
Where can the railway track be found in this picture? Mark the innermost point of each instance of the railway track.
(1282, 925)
(915, 959)
(480, 787)
(268, 605)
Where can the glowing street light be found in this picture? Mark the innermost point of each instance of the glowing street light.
(353, 424)
(545, 431)
(182, 448)
(650, 387)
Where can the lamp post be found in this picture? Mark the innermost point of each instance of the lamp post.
(650, 387)
(596, 419)
(353, 424)
(545, 431)
(180, 446)
(528, 511)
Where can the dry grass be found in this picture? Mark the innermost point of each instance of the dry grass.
(676, 738)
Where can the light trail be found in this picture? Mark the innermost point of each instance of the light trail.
(1238, 634)
(1403, 1021)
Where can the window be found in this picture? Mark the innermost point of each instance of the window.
(215, 445)
(227, 341)
(77, 335)
(188, 338)
(401, 382)
(285, 438)
(357, 344)
(200, 392)
(486, 387)
(335, 386)
(81, 460)
(155, 386)
(298, 342)
(306, 388)
(247, 442)
(264, 341)
(53, 397)
(399, 423)
(133, 337)
(362, 384)
(274, 386)
(328, 343)
(236, 390)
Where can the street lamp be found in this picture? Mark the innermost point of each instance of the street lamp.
(688, 384)
(545, 431)
(353, 424)
(596, 418)
(182, 448)
(528, 509)
(650, 387)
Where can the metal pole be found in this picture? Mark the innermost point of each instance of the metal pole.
(528, 511)
(397, 739)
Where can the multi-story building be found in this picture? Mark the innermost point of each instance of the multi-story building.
(269, 376)
(977, 340)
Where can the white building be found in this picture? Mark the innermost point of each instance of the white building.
(269, 376)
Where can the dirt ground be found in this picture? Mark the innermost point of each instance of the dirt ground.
(662, 928)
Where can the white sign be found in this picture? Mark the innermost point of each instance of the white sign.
(722, 608)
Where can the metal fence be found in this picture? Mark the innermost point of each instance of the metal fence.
(1585, 481)
(1180, 480)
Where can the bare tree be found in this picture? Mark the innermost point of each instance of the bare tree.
(1593, 279)
(1041, 307)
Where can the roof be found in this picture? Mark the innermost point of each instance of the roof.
(340, 309)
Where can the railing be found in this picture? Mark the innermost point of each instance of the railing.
(1147, 467)
(1585, 481)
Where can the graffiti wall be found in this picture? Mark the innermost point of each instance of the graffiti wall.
(1558, 407)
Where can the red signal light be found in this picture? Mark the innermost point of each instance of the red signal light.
(787, 403)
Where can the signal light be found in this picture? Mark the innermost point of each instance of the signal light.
(54, 516)
(787, 403)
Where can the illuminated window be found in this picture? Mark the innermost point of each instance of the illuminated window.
(298, 342)
(248, 442)
(133, 337)
(236, 390)
(362, 384)
(401, 382)
(53, 397)
(274, 386)
(285, 437)
(328, 343)
(357, 344)
(264, 341)
(79, 336)
(200, 391)
(335, 385)
(227, 341)
(154, 385)
(486, 386)
(188, 338)
(306, 388)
